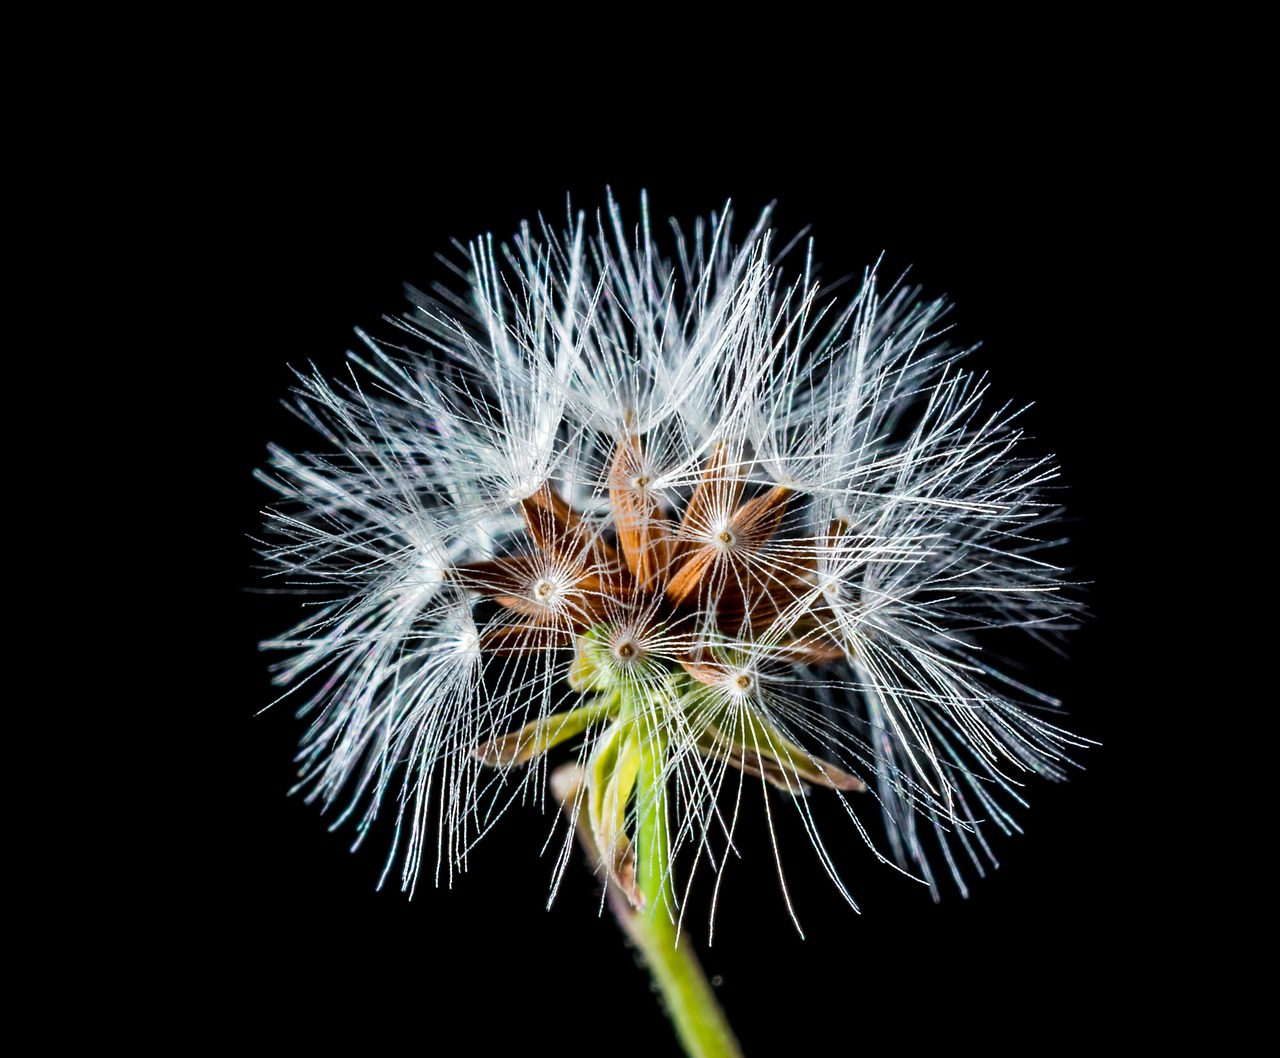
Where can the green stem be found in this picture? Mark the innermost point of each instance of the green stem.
(653, 849)
(691, 1004)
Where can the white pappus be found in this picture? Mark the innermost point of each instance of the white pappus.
(678, 508)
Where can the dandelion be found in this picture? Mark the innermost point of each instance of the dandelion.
(707, 529)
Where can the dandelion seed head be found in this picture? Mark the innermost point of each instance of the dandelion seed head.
(611, 499)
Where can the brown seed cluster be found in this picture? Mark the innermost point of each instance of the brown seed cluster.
(723, 566)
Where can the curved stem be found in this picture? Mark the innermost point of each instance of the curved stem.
(699, 1021)
(695, 1013)
(653, 849)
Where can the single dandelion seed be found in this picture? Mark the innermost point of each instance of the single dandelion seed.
(707, 530)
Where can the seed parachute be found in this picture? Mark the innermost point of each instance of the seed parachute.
(698, 532)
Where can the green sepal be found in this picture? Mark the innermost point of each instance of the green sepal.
(742, 737)
(611, 778)
(538, 736)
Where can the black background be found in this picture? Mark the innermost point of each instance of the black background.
(1028, 233)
